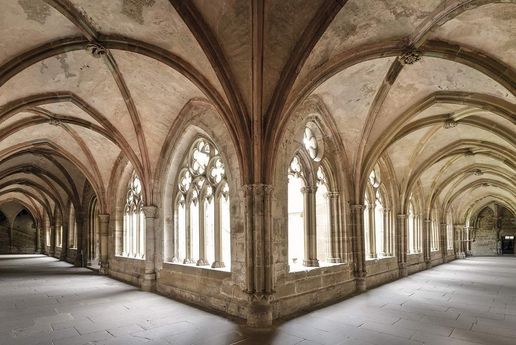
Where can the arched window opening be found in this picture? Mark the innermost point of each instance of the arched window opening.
(323, 221)
(296, 223)
(59, 236)
(435, 234)
(313, 226)
(72, 228)
(367, 227)
(202, 233)
(94, 234)
(411, 230)
(378, 234)
(449, 231)
(379, 224)
(134, 220)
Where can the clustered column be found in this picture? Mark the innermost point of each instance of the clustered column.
(104, 225)
(401, 244)
(149, 276)
(357, 213)
(427, 250)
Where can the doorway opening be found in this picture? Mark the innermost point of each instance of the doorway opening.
(508, 245)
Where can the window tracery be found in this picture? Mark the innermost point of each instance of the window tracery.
(311, 233)
(378, 232)
(202, 212)
(134, 220)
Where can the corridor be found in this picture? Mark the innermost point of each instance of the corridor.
(45, 301)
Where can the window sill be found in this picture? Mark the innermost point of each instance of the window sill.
(188, 268)
(380, 258)
(322, 265)
(129, 258)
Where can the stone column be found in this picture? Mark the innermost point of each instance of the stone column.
(104, 231)
(401, 244)
(459, 249)
(427, 243)
(467, 240)
(385, 247)
(38, 239)
(358, 246)
(309, 216)
(202, 242)
(336, 237)
(443, 240)
(148, 282)
(372, 230)
(52, 244)
(188, 235)
(81, 257)
(218, 263)
(258, 235)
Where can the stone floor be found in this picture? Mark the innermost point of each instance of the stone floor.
(44, 301)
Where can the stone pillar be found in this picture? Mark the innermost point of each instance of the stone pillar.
(81, 257)
(336, 237)
(52, 244)
(258, 234)
(358, 244)
(401, 244)
(372, 230)
(202, 242)
(386, 229)
(38, 239)
(188, 235)
(309, 216)
(148, 282)
(459, 244)
(467, 240)
(104, 231)
(427, 243)
(443, 241)
(218, 263)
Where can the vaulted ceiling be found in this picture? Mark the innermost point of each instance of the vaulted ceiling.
(426, 85)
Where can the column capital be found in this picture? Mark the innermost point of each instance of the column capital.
(333, 194)
(401, 216)
(428, 221)
(357, 207)
(104, 218)
(150, 211)
(309, 189)
(254, 187)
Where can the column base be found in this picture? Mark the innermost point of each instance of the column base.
(403, 269)
(259, 313)
(428, 264)
(104, 268)
(202, 262)
(218, 264)
(188, 261)
(148, 282)
(311, 263)
(460, 255)
(361, 284)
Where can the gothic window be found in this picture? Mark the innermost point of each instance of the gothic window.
(449, 231)
(377, 231)
(311, 232)
(434, 234)
(414, 231)
(134, 220)
(72, 228)
(59, 236)
(202, 209)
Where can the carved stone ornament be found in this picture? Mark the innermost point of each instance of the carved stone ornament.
(450, 124)
(96, 50)
(410, 56)
(478, 172)
(54, 122)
